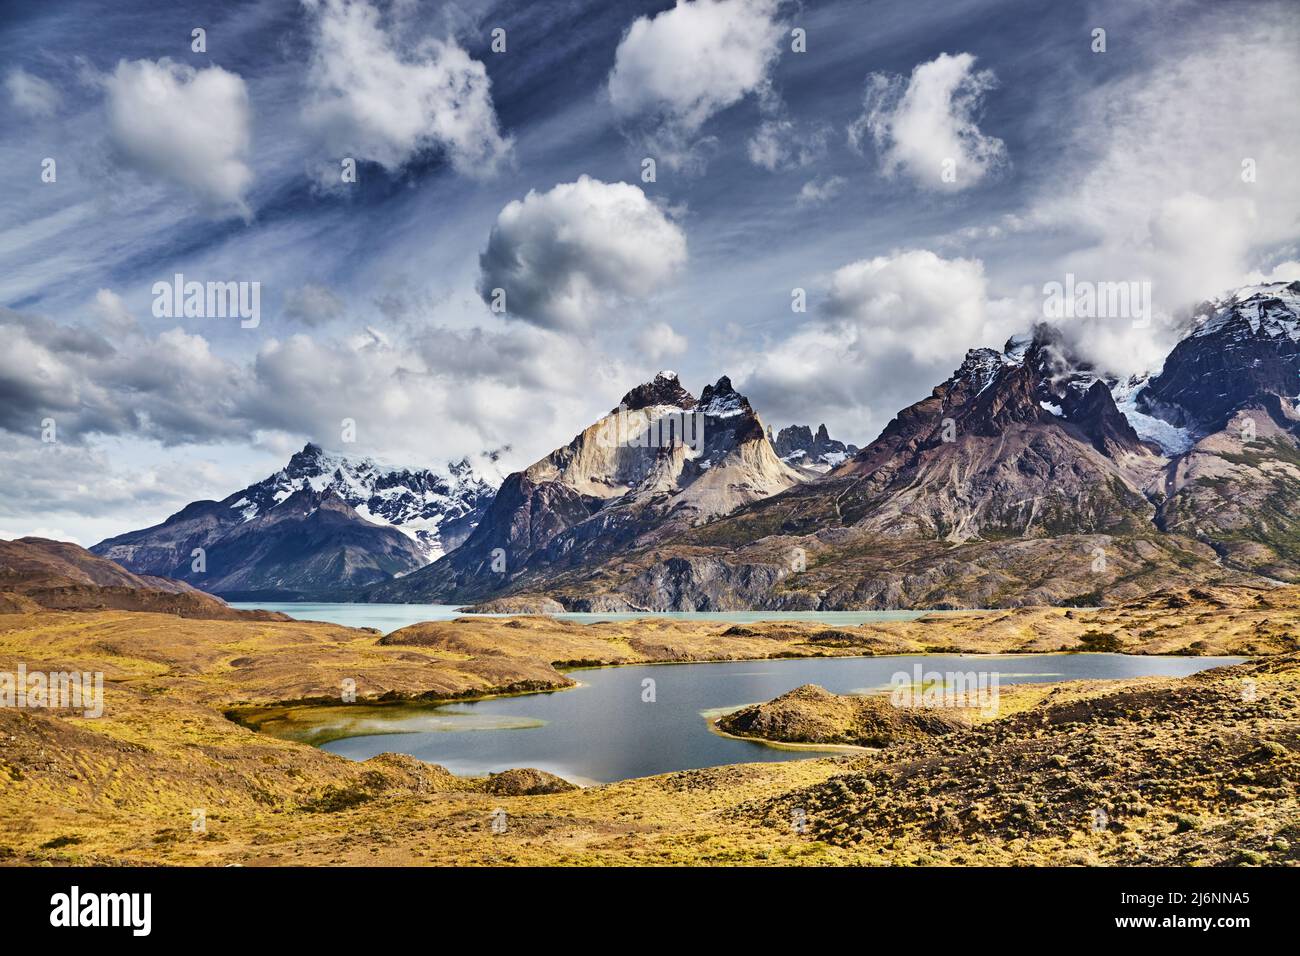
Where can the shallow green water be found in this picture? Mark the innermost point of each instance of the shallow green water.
(391, 617)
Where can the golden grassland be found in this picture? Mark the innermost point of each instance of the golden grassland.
(1197, 770)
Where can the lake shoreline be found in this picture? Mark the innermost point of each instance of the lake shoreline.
(289, 801)
(566, 741)
(255, 716)
(397, 616)
(564, 648)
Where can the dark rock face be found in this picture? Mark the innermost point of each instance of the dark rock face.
(797, 445)
(702, 584)
(1093, 411)
(166, 549)
(311, 544)
(1247, 347)
(663, 389)
(523, 519)
(526, 515)
(1026, 442)
(729, 421)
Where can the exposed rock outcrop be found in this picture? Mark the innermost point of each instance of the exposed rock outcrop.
(1243, 347)
(518, 604)
(813, 715)
(797, 445)
(526, 782)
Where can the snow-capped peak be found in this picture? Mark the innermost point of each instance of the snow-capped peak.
(423, 503)
(1271, 310)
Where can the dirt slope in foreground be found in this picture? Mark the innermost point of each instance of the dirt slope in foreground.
(1200, 770)
(61, 576)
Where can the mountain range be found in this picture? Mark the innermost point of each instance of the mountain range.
(321, 523)
(1045, 490)
(1027, 477)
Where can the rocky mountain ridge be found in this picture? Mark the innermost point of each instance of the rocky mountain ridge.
(321, 523)
(660, 461)
(797, 445)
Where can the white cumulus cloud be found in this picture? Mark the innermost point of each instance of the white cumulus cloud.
(188, 126)
(674, 71)
(372, 97)
(566, 258)
(919, 303)
(892, 328)
(925, 124)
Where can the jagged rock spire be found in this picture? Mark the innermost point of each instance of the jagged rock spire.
(663, 389)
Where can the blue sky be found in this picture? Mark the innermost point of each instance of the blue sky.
(776, 170)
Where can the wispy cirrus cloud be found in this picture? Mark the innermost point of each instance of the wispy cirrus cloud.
(820, 190)
(31, 94)
(781, 144)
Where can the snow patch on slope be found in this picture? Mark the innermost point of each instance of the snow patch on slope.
(1171, 439)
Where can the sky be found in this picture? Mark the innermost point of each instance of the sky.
(472, 227)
